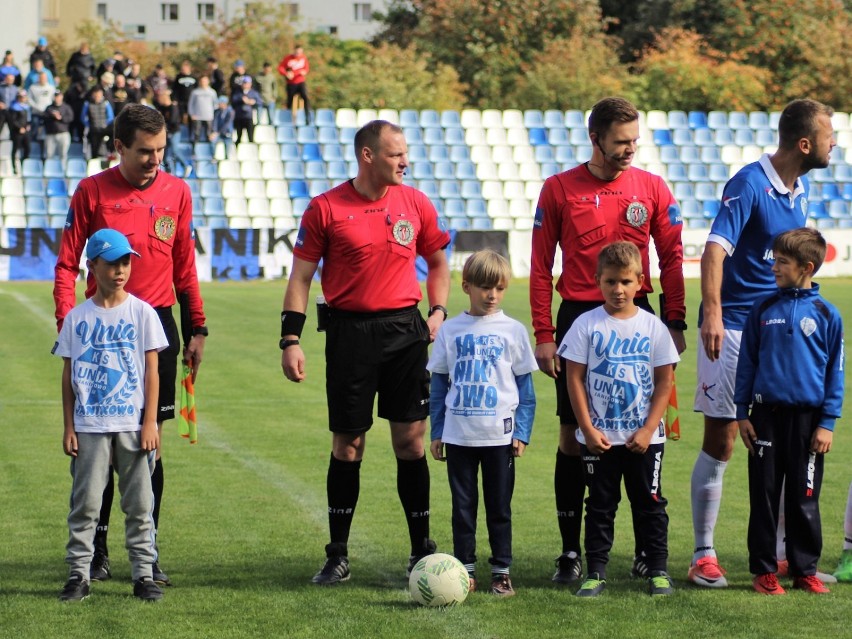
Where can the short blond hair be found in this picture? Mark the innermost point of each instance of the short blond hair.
(486, 268)
(620, 255)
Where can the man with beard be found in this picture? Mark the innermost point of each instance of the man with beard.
(763, 199)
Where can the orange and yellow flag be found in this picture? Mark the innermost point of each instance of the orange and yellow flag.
(187, 424)
(672, 419)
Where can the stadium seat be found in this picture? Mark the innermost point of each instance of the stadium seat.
(683, 137)
(710, 154)
(365, 115)
(722, 137)
(558, 137)
(429, 187)
(300, 204)
(743, 137)
(286, 135)
(56, 221)
(325, 117)
(306, 135)
(717, 120)
(453, 136)
(264, 134)
(765, 137)
(471, 118)
(76, 168)
(583, 153)
(738, 120)
(538, 136)
(53, 168)
(480, 223)
(677, 120)
(337, 170)
(294, 170)
(247, 151)
(496, 136)
(233, 189)
(575, 119)
(492, 118)
(36, 205)
(315, 170)
(689, 154)
(817, 210)
(454, 207)
(439, 152)
(533, 118)
(554, 119)
(56, 187)
(449, 189)
(697, 172)
(58, 205)
(429, 119)
(422, 171)
(32, 167)
(758, 120)
(476, 207)
(298, 188)
(656, 119)
(345, 118)
(445, 170)
(12, 186)
(669, 154)
(548, 169)
(470, 189)
(459, 153)
(229, 169)
(662, 137)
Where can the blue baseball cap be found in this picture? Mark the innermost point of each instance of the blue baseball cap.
(42, 41)
(110, 245)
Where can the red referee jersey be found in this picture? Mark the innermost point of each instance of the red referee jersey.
(582, 214)
(368, 248)
(158, 223)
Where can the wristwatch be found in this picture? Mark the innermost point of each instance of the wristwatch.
(676, 324)
(438, 307)
(200, 330)
(286, 343)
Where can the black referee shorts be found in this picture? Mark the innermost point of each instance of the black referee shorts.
(168, 360)
(382, 353)
(568, 313)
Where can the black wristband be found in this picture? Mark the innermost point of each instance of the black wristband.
(200, 330)
(292, 323)
(677, 324)
(438, 307)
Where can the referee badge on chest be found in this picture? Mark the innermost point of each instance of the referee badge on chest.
(164, 227)
(403, 232)
(637, 214)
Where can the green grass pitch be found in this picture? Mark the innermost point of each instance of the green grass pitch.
(243, 521)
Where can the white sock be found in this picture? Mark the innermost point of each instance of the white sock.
(706, 499)
(781, 534)
(847, 522)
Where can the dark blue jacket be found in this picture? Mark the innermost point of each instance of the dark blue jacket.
(792, 354)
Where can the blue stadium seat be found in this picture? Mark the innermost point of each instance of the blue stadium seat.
(337, 170)
(677, 172)
(210, 188)
(36, 205)
(847, 191)
(325, 117)
(697, 119)
(433, 136)
(548, 169)
(283, 117)
(32, 168)
(459, 153)
(76, 168)
(34, 186)
(445, 170)
(684, 191)
(331, 152)
(711, 208)
(738, 120)
(710, 154)
(554, 119)
(842, 172)
(704, 137)
(689, 154)
(583, 153)
(453, 136)
(327, 135)
(450, 119)
(544, 153)
(758, 120)
(743, 137)
(413, 134)
(831, 191)
(539, 136)
(202, 151)
(697, 172)
(533, 118)
(206, 170)
(417, 153)
(717, 120)
(422, 171)
(481, 223)
(718, 172)
(683, 137)
(564, 155)
(817, 175)
(315, 187)
(58, 205)
(439, 152)
(347, 135)
(429, 119)
(430, 188)
(56, 187)
(315, 170)
(838, 209)
(575, 119)
(471, 189)
(300, 204)
(476, 207)
(294, 170)
(669, 154)
(577, 136)
(678, 120)
(816, 209)
(53, 168)
(721, 137)
(449, 189)
(558, 137)
(409, 118)
(311, 152)
(454, 207)
(705, 190)
(662, 137)
(298, 188)
(286, 135)
(691, 209)
(466, 171)
(765, 137)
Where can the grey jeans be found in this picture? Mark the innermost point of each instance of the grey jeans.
(90, 473)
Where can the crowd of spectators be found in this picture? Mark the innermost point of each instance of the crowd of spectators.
(47, 110)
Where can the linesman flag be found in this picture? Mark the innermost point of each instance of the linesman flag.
(672, 418)
(187, 423)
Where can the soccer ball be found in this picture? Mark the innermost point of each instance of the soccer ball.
(439, 580)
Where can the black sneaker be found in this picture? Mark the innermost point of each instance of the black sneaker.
(335, 570)
(640, 568)
(160, 578)
(429, 548)
(568, 569)
(147, 590)
(660, 584)
(75, 589)
(99, 570)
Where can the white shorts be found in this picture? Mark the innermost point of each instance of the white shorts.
(714, 393)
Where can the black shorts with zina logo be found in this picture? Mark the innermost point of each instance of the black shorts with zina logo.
(382, 353)
(167, 368)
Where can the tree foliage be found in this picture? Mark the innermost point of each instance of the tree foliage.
(680, 72)
(570, 73)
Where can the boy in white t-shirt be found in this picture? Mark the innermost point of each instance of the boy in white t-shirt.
(619, 371)
(110, 382)
(482, 410)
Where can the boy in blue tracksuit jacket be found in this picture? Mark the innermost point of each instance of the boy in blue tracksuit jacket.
(790, 372)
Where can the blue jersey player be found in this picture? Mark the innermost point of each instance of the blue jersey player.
(763, 199)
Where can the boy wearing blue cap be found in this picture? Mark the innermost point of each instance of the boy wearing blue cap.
(110, 386)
